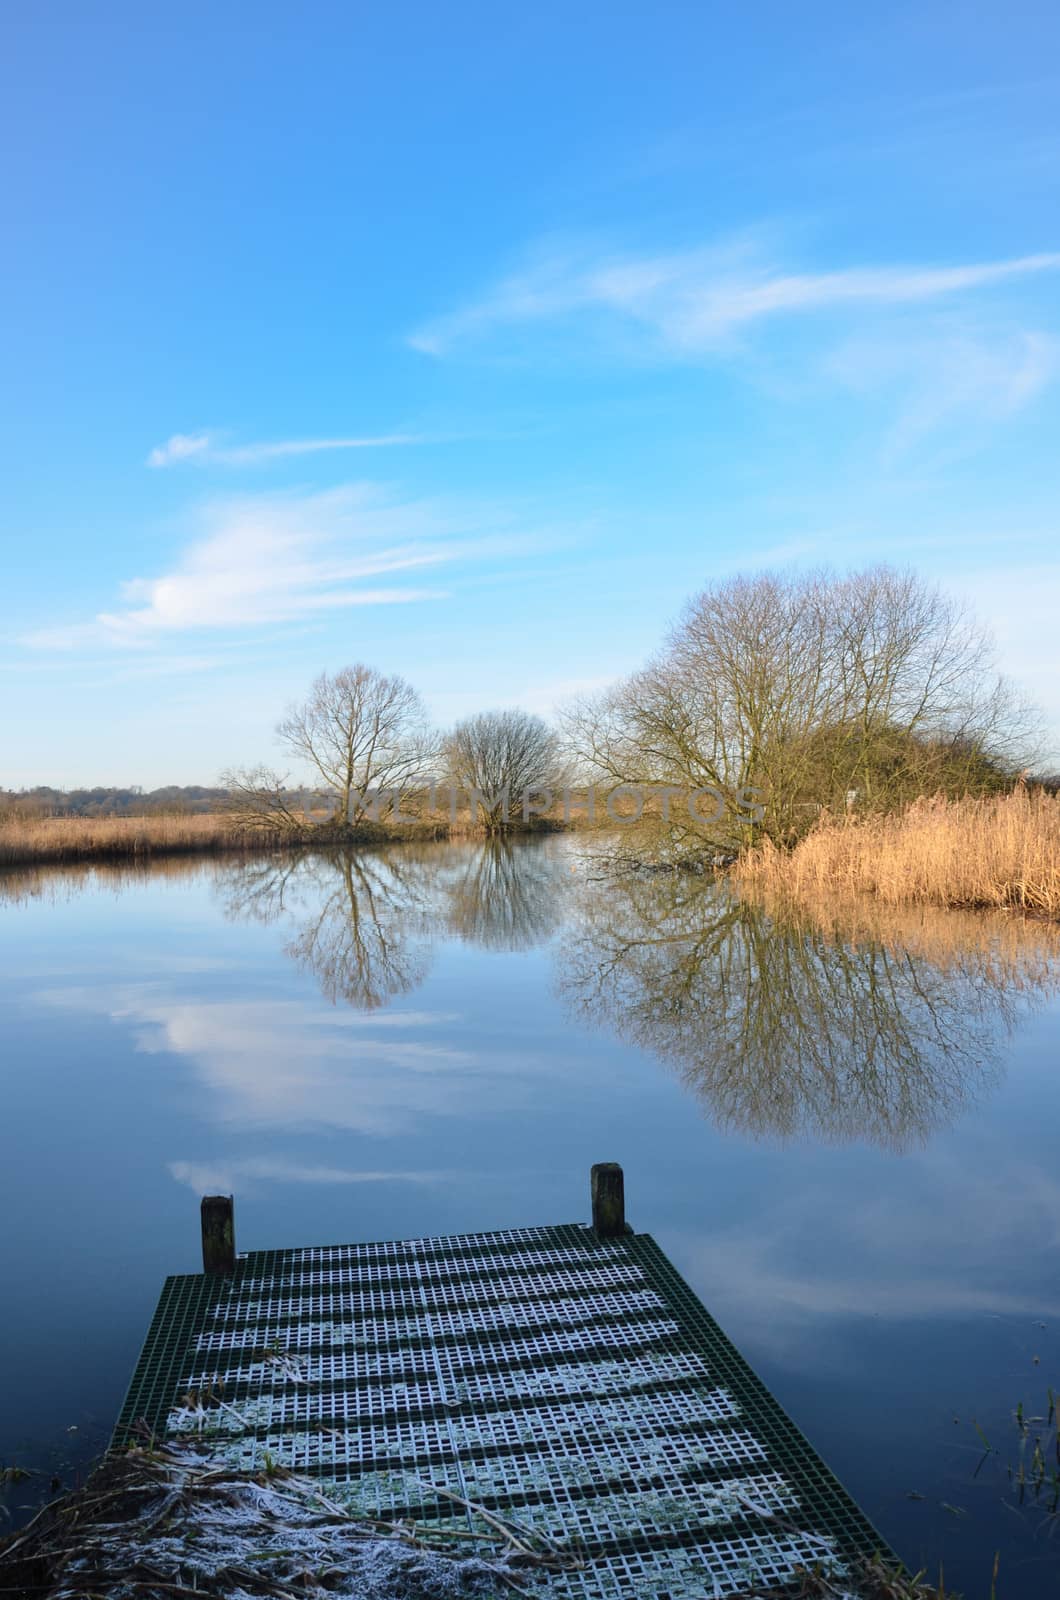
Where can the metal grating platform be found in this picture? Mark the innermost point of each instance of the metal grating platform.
(572, 1383)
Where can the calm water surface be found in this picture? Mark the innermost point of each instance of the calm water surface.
(845, 1132)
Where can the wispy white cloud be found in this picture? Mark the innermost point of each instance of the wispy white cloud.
(695, 300)
(205, 448)
(240, 1176)
(298, 1064)
(268, 559)
(180, 447)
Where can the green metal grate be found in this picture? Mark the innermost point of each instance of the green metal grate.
(573, 1383)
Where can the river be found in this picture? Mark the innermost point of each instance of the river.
(842, 1126)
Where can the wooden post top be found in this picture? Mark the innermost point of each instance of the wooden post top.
(217, 1213)
(609, 1200)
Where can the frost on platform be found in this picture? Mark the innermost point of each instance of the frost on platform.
(568, 1389)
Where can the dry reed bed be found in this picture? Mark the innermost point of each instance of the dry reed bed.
(59, 839)
(1000, 852)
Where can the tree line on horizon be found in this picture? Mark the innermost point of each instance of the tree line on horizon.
(128, 800)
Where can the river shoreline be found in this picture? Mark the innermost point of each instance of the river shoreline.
(64, 841)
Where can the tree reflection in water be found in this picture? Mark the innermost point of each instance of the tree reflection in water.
(366, 920)
(844, 1024)
(848, 1023)
(504, 895)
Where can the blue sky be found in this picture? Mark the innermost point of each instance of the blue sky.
(469, 341)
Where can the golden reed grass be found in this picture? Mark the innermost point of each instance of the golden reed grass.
(59, 839)
(55, 840)
(1002, 851)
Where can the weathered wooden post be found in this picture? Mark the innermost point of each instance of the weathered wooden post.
(218, 1233)
(609, 1200)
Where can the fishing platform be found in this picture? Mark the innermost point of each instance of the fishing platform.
(564, 1379)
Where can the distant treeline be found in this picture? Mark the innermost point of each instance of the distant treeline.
(173, 800)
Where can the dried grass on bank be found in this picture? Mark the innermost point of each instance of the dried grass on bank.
(59, 839)
(167, 1520)
(1000, 852)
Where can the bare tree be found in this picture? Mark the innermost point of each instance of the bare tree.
(814, 689)
(361, 732)
(501, 756)
(261, 799)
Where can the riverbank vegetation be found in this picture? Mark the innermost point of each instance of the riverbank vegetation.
(866, 715)
(373, 759)
(43, 840)
(821, 693)
(271, 820)
(993, 851)
(161, 1519)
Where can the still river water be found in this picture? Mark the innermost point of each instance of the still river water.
(843, 1129)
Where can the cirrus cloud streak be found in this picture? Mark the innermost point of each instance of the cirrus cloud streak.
(205, 448)
(280, 558)
(694, 300)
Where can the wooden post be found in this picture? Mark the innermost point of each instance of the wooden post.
(609, 1200)
(218, 1233)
